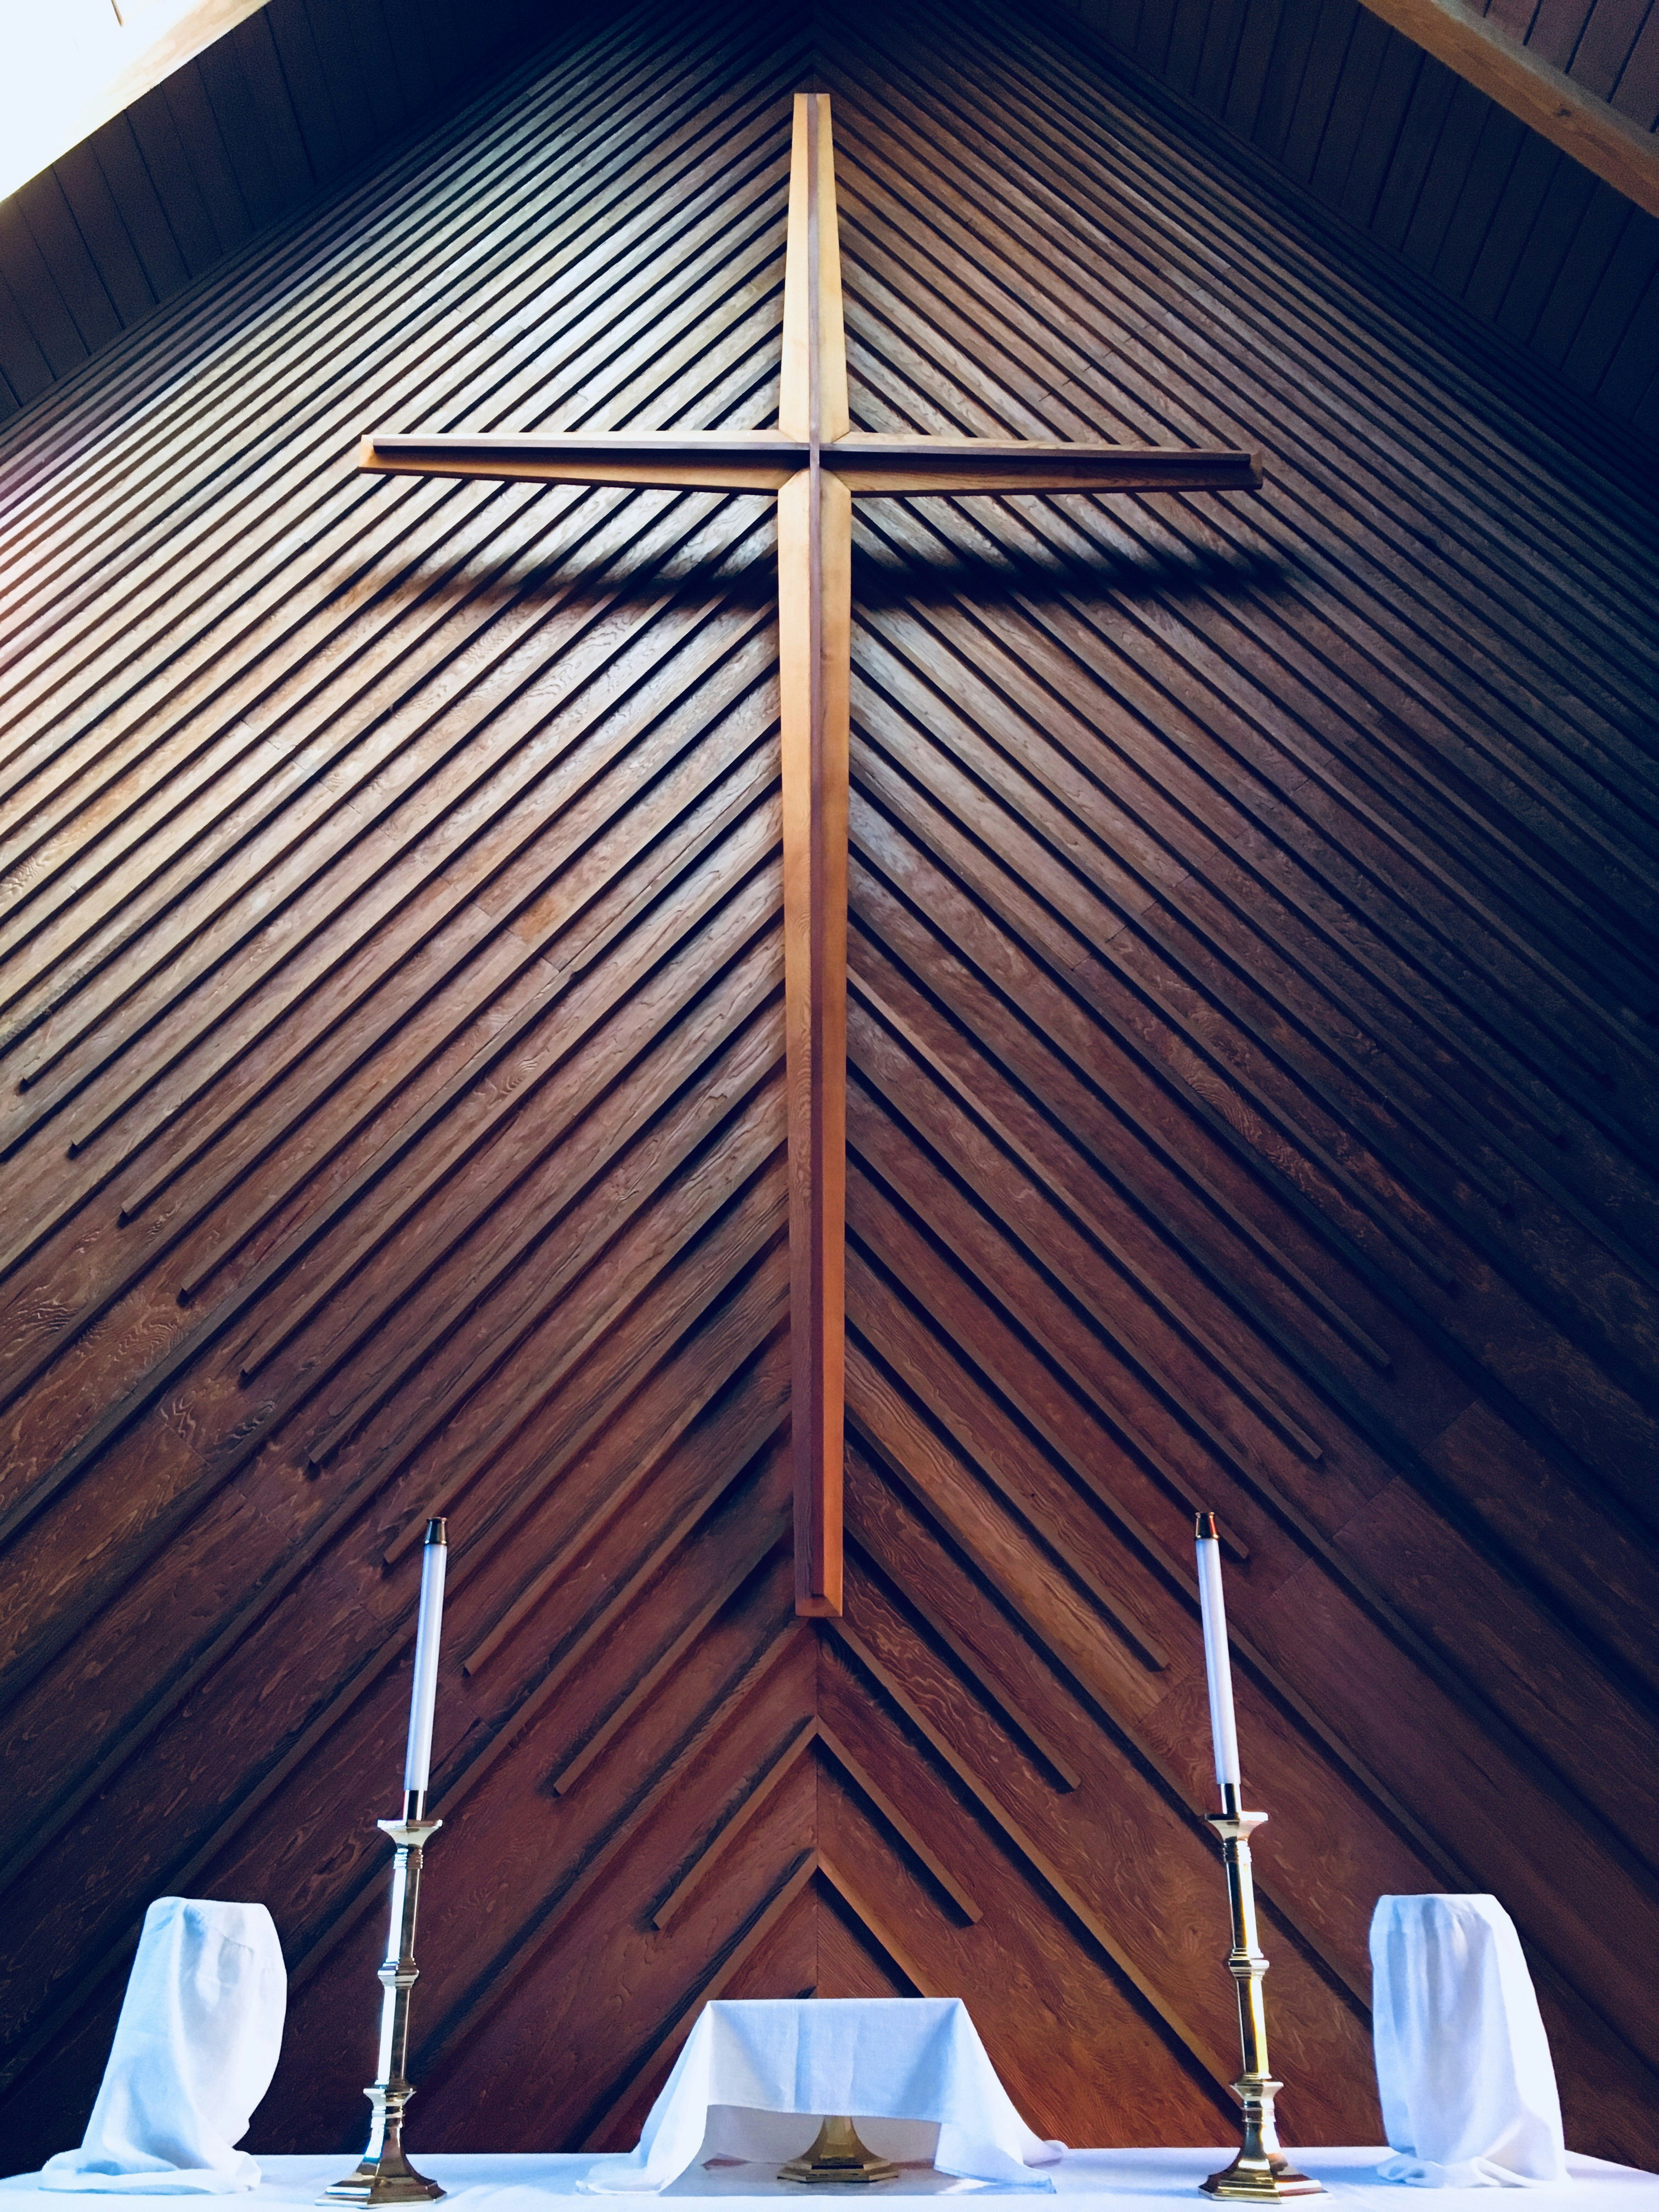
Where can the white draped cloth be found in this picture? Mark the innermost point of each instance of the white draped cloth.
(876, 2060)
(194, 2048)
(1463, 2065)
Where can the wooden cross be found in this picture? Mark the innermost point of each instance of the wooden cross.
(815, 461)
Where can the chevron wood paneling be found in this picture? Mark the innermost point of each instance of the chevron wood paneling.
(1251, 1104)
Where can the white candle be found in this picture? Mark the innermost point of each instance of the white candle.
(423, 1698)
(1217, 1665)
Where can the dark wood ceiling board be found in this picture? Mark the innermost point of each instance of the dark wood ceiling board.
(322, 101)
(1306, 124)
(1630, 374)
(1600, 229)
(1356, 160)
(1358, 90)
(48, 318)
(267, 107)
(1604, 46)
(87, 194)
(1305, 56)
(299, 245)
(125, 178)
(167, 175)
(1498, 143)
(23, 366)
(1633, 265)
(1559, 219)
(219, 175)
(1531, 186)
(1557, 27)
(1271, 72)
(1282, 91)
(1187, 28)
(86, 294)
(1637, 93)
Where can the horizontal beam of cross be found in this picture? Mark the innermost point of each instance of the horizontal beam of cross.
(764, 461)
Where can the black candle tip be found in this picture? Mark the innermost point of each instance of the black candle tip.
(437, 1531)
(1206, 1528)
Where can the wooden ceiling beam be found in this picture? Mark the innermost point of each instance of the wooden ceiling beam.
(1610, 145)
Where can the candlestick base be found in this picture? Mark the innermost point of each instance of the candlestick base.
(388, 2179)
(837, 2154)
(1259, 2173)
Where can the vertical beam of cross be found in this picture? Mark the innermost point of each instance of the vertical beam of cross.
(815, 623)
(814, 463)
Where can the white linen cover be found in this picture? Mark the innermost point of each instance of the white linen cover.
(1463, 2065)
(194, 2048)
(881, 2058)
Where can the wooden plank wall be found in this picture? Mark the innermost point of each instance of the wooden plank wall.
(295, 98)
(1253, 1105)
(1381, 136)
(1390, 140)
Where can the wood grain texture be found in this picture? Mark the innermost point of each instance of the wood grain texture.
(1568, 108)
(1380, 136)
(291, 99)
(1394, 149)
(1251, 1034)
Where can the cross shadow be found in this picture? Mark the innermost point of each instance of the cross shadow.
(907, 574)
(947, 574)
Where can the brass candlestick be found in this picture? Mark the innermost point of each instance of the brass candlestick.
(383, 2175)
(1261, 2171)
(837, 2154)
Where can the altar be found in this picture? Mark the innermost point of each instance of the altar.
(1124, 2180)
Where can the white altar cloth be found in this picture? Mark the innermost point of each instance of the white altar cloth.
(756, 2074)
(1094, 2181)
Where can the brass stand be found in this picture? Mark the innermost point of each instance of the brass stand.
(383, 2175)
(1260, 2171)
(836, 2154)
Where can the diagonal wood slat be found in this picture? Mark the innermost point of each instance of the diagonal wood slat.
(1250, 1000)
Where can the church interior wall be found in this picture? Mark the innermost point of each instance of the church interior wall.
(1251, 1108)
(1393, 144)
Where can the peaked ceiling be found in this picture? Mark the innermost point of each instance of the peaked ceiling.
(1355, 120)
